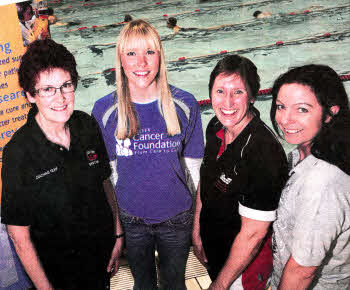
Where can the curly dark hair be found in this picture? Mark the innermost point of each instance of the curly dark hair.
(244, 67)
(332, 143)
(43, 55)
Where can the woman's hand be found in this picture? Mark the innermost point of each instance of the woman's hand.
(198, 249)
(114, 261)
(296, 276)
(243, 250)
(26, 251)
(216, 286)
(196, 237)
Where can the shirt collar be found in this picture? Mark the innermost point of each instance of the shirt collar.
(300, 166)
(38, 134)
(220, 133)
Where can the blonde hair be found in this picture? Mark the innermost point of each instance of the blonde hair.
(128, 126)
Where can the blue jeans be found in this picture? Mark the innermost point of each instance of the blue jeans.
(171, 238)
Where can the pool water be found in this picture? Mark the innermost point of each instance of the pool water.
(95, 52)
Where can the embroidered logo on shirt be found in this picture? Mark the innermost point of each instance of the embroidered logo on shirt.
(223, 182)
(52, 170)
(224, 179)
(91, 155)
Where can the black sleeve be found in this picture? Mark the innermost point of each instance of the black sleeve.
(17, 202)
(264, 172)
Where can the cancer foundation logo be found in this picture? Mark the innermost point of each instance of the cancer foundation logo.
(147, 142)
(123, 147)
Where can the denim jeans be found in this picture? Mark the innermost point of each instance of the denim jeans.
(171, 239)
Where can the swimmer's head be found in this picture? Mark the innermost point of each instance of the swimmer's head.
(127, 18)
(50, 11)
(257, 13)
(171, 22)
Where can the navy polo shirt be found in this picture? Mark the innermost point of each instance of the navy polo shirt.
(247, 178)
(57, 192)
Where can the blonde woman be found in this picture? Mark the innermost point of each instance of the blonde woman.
(154, 137)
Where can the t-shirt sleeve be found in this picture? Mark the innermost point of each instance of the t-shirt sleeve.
(194, 140)
(262, 173)
(16, 198)
(321, 212)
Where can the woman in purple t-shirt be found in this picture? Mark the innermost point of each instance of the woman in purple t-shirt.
(149, 128)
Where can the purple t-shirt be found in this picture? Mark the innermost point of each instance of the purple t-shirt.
(151, 182)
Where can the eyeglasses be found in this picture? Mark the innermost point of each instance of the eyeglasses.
(47, 92)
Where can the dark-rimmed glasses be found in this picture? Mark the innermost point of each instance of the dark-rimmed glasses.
(49, 91)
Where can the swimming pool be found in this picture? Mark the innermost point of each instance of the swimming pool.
(302, 26)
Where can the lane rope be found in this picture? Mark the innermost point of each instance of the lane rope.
(277, 44)
(265, 92)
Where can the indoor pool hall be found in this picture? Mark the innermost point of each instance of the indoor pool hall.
(293, 33)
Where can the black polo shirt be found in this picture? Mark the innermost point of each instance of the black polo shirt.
(57, 192)
(247, 179)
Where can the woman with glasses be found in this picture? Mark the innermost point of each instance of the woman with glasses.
(55, 180)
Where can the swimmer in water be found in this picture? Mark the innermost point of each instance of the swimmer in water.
(52, 18)
(172, 24)
(260, 14)
(127, 18)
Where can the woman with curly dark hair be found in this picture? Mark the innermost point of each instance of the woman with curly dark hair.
(310, 108)
(55, 178)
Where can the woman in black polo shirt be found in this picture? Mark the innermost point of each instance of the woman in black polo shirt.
(55, 172)
(242, 174)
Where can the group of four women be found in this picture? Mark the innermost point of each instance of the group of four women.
(75, 187)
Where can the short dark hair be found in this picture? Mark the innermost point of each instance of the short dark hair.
(257, 13)
(172, 21)
(50, 11)
(127, 18)
(332, 143)
(43, 55)
(22, 8)
(244, 67)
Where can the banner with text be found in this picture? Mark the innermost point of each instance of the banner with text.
(24, 23)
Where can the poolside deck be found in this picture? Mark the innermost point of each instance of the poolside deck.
(196, 276)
